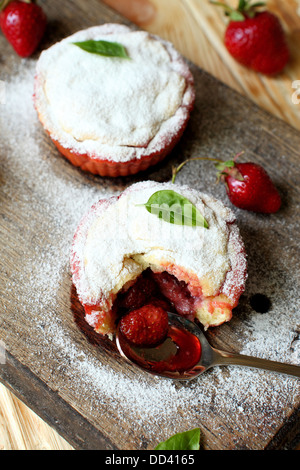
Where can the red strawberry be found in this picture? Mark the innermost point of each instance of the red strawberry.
(23, 23)
(146, 326)
(249, 187)
(256, 39)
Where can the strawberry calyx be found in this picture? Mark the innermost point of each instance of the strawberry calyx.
(245, 9)
(229, 168)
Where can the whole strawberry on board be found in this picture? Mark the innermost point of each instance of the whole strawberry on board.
(255, 38)
(248, 185)
(23, 23)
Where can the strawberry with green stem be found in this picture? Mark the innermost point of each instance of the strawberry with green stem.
(255, 38)
(248, 185)
(23, 23)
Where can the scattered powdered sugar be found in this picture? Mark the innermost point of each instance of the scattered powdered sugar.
(164, 402)
(242, 398)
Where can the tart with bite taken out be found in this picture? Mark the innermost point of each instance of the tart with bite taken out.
(113, 100)
(127, 257)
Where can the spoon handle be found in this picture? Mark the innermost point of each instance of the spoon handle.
(225, 358)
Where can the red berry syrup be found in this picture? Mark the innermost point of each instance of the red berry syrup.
(187, 352)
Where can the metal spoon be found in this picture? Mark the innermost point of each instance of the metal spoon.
(156, 360)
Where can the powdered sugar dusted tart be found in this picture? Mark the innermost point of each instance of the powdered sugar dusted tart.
(124, 257)
(109, 115)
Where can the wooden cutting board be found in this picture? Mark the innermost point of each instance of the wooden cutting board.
(197, 29)
(74, 381)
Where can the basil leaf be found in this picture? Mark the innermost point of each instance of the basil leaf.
(188, 440)
(105, 48)
(175, 209)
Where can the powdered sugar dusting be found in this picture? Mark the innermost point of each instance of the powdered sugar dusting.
(115, 109)
(137, 233)
(242, 398)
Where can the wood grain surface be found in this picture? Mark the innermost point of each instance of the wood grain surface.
(197, 29)
(225, 121)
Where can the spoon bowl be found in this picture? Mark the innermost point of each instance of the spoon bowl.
(186, 354)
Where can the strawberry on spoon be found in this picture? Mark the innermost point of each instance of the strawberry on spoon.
(146, 326)
(255, 38)
(23, 23)
(248, 185)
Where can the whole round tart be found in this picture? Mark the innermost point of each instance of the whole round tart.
(125, 255)
(113, 114)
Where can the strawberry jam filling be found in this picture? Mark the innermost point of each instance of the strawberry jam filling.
(176, 292)
(161, 289)
(144, 321)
